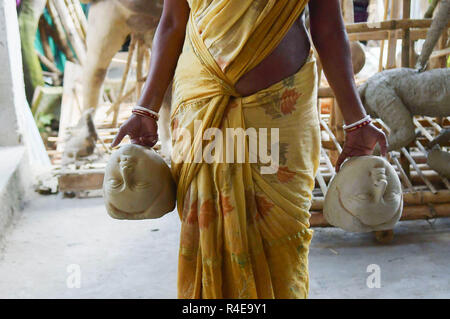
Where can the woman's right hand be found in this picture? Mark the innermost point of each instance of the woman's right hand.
(362, 142)
(141, 130)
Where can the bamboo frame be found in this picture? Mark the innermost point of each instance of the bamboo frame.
(58, 34)
(71, 29)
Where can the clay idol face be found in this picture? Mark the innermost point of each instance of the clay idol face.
(365, 196)
(137, 184)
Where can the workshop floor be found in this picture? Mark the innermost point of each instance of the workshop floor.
(57, 241)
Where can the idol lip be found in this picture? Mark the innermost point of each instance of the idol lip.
(116, 210)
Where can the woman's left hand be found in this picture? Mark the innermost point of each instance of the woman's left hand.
(361, 142)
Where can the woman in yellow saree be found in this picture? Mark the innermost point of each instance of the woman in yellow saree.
(244, 233)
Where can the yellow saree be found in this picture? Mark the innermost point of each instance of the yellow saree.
(244, 234)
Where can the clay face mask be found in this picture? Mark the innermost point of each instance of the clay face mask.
(364, 196)
(138, 184)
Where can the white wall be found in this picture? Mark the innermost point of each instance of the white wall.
(16, 121)
(11, 76)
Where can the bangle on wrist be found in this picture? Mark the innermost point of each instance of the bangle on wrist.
(142, 111)
(358, 124)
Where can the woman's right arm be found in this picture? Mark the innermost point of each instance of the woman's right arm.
(167, 47)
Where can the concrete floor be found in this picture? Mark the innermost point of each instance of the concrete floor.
(138, 259)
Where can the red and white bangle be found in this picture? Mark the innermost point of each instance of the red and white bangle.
(357, 125)
(142, 111)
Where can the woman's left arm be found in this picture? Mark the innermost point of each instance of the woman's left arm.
(330, 39)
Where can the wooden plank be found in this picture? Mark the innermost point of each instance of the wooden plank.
(389, 25)
(415, 34)
(80, 182)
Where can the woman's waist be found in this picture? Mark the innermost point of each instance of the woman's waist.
(287, 59)
(192, 85)
(194, 81)
(303, 81)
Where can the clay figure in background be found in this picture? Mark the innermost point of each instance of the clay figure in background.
(358, 56)
(109, 24)
(438, 159)
(395, 96)
(365, 196)
(138, 184)
(81, 139)
(431, 8)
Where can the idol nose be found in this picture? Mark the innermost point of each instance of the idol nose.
(379, 190)
(379, 179)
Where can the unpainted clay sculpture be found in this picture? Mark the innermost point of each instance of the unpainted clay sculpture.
(395, 96)
(438, 25)
(431, 8)
(364, 196)
(138, 184)
(109, 24)
(358, 56)
(81, 139)
(438, 159)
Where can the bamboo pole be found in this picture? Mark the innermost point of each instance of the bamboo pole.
(81, 16)
(47, 63)
(380, 63)
(442, 48)
(331, 134)
(336, 125)
(44, 39)
(348, 9)
(322, 183)
(403, 174)
(139, 66)
(116, 106)
(419, 172)
(392, 39)
(75, 20)
(58, 34)
(69, 27)
(389, 25)
(415, 34)
(406, 36)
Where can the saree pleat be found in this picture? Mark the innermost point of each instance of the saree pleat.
(244, 234)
